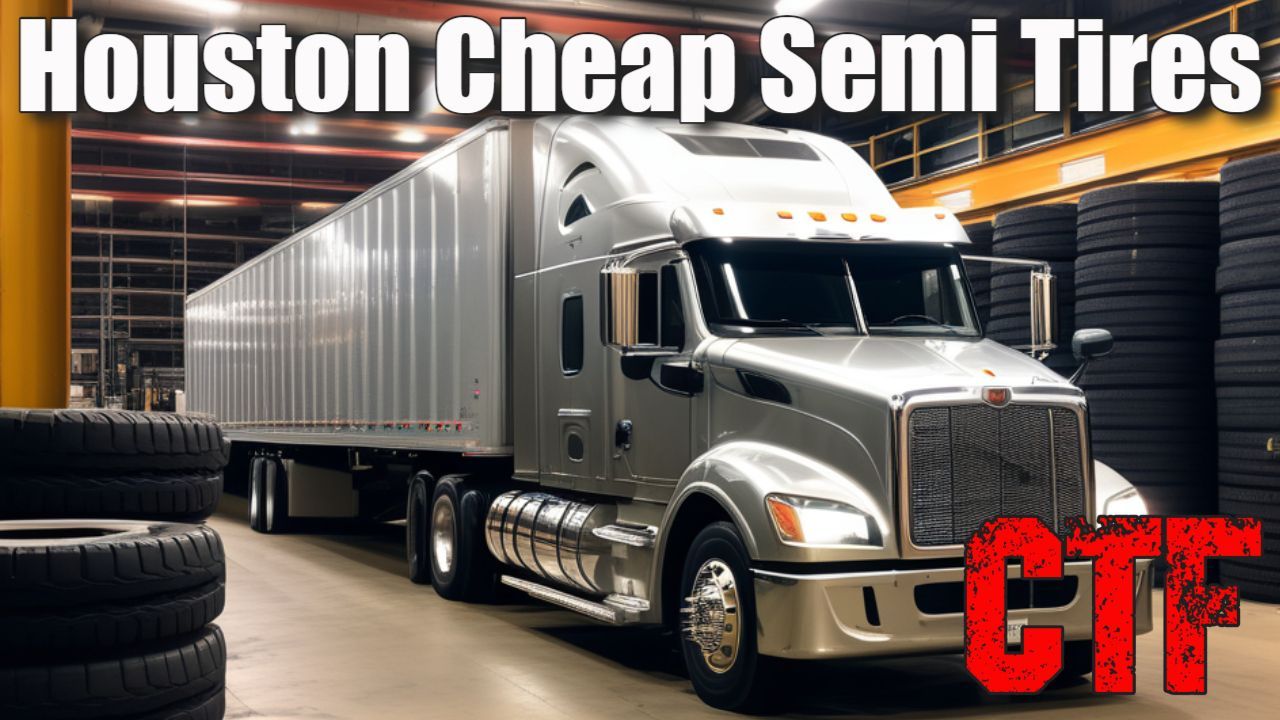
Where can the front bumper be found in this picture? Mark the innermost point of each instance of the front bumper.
(826, 616)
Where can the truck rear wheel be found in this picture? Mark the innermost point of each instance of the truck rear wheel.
(461, 567)
(268, 495)
(718, 624)
(417, 535)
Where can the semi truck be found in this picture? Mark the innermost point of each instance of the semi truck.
(707, 377)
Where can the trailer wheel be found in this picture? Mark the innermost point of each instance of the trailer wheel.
(718, 624)
(417, 536)
(268, 496)
(461, 567)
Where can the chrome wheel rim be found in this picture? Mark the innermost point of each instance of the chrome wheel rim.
(442, 535)
(709, 616)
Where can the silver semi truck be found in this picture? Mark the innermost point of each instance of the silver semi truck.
(708, 377)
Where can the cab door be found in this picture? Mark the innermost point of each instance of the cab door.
(651, 382)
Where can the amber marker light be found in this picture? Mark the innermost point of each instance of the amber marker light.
(849, 217)
(718, 211)
(786, 518)
(785, 214)
(878, 218)
(817, 216)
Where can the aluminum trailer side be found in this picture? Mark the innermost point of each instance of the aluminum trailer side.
(382, 326)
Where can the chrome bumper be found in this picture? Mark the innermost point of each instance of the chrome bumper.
(826, 616)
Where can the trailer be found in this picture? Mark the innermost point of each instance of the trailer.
(710, 377)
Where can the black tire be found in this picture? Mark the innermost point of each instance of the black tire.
(268, 496)
(458, 507)
(1249, 265)
(1250, 194)
(748, 684)
(139, 684)
(1255, 582)
(1248, 360)
(1149, 317)
(1077, 658)
(91, 629)
(180, 496)
(1144, 270)
(417, 528)
(1249, 408)
(60, 563)
(109, 441)
(1252, 312)
(206, 706)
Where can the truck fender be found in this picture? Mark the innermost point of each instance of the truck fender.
(737, 476)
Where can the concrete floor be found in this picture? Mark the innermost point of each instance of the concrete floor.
(327, 626)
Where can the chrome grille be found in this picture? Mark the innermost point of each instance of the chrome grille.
(969, 463)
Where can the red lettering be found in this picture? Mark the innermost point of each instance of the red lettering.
(1113, 547)
(1190, 605)
(985, 653)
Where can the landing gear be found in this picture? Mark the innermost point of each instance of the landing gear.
(718, 624)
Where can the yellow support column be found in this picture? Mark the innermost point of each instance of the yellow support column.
(35, 233)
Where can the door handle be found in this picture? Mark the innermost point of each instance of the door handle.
(622, 434)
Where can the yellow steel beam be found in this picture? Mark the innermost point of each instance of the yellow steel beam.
(1152, 147)
(35, 239)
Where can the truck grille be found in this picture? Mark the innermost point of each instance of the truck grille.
(969, 463)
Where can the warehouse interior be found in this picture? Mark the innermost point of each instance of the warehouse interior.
(321, 622)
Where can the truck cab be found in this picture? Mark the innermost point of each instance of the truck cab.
(769, 385)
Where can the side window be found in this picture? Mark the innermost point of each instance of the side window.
(578, 209)
(571, 335)
(672, 310)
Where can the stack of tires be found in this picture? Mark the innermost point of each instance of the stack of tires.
(1147, 253)
(1248, 365)
(1040, 232)
(110, 618)
(980, 272)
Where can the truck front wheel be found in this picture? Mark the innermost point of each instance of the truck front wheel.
(718, 624)
(461, 567)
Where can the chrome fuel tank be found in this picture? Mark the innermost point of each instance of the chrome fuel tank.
(549, 536)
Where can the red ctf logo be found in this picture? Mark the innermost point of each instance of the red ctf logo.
(1190, 605)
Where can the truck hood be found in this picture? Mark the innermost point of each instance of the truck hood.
(881, 367)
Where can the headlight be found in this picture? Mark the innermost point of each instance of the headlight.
(808, 521)
(1125, 502)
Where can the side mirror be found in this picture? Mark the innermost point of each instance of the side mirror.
(622, 292)
(1091, 343)
(682, 377)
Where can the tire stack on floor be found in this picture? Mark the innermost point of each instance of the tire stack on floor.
(107, 583)
(979, 272)
(1248, 365)
(1040, 232)
(1147, 253)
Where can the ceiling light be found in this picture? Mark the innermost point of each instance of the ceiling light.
(90, 197)
(318, 205)
(795, 7)
(198, 202)
(409, 135)
(190, 120)
(213, 7)
(306, 126)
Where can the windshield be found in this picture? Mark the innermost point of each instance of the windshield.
(788, 287)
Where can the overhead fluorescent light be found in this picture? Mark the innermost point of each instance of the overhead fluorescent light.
(198, 202)
(213, 7)
(411, 136)
(306, 126)
(90, 197)
(317, 205)
(795, 7)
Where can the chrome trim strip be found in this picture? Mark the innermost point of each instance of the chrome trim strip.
(593, 610)
(637, 537)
